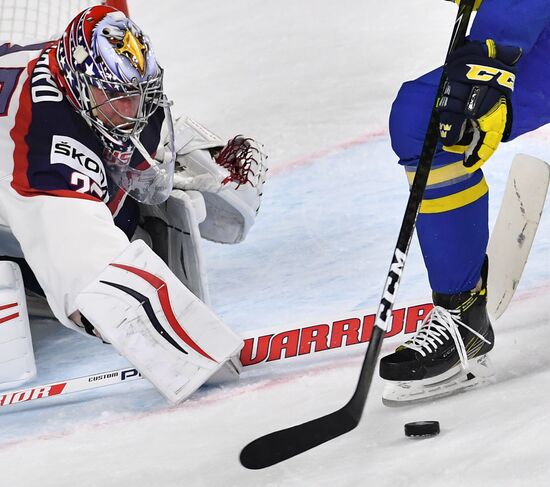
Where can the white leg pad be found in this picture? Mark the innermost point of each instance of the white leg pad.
(17, 364)
(139, 306)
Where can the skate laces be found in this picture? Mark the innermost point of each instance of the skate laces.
(441, 324)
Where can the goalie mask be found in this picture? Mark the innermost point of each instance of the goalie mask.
(111, 77)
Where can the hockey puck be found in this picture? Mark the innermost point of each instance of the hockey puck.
(422, 429)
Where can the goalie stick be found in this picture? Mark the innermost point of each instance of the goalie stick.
(78, 384)
(515, 229)
(287, 443)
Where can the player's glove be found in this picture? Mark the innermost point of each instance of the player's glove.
(474, 109)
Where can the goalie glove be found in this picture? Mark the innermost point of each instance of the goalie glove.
(232, 208)
(205, 164)
(230, 177)
(241, 156)
(475, 109)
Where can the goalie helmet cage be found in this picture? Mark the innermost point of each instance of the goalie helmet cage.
(40, 20)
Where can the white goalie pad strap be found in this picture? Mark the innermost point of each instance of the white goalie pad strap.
(172, 231)
(139, 306)
(17, 364)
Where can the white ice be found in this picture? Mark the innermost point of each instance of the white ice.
(314, 81)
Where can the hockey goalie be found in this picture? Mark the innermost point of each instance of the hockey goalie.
(104, 199)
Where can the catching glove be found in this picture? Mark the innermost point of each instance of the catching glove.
(474, 109)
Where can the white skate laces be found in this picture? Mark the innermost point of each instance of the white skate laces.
(441, 324)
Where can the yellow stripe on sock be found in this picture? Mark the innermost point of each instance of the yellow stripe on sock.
(442, 174)
(454, 201)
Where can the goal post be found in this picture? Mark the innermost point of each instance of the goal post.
(40, 20)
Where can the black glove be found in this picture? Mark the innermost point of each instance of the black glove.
(475, 109)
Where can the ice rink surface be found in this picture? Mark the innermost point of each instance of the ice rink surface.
(314, 81)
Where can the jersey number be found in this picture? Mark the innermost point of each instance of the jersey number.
(8, 82)
(85, 185)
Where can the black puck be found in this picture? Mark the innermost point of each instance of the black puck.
(422, 429)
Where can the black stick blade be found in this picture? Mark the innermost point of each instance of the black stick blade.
(284, 444)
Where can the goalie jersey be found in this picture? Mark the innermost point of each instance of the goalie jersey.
(59, 210)
(53, 169)
(47, 147)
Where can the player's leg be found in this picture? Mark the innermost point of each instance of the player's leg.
(452, 223)
(453, 233)
(452, 228)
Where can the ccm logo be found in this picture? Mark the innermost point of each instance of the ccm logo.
(487, 73)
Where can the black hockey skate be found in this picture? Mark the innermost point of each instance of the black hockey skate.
(447, 354)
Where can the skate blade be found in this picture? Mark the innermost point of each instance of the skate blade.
(479, 373)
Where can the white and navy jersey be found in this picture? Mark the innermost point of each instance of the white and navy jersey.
(58, 209)
(46, 146)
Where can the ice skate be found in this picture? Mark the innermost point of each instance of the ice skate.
(447, 354)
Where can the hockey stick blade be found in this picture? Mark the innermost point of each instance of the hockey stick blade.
(284, 444)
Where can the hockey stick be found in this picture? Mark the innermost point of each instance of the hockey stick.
(68, 386)
(287, 443)
(515, 229)
(508, 250)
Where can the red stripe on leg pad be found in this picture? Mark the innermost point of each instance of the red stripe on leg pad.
(164, 298)
(6, 306)
(8, 318)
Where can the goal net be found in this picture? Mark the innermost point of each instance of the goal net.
(38, 20)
